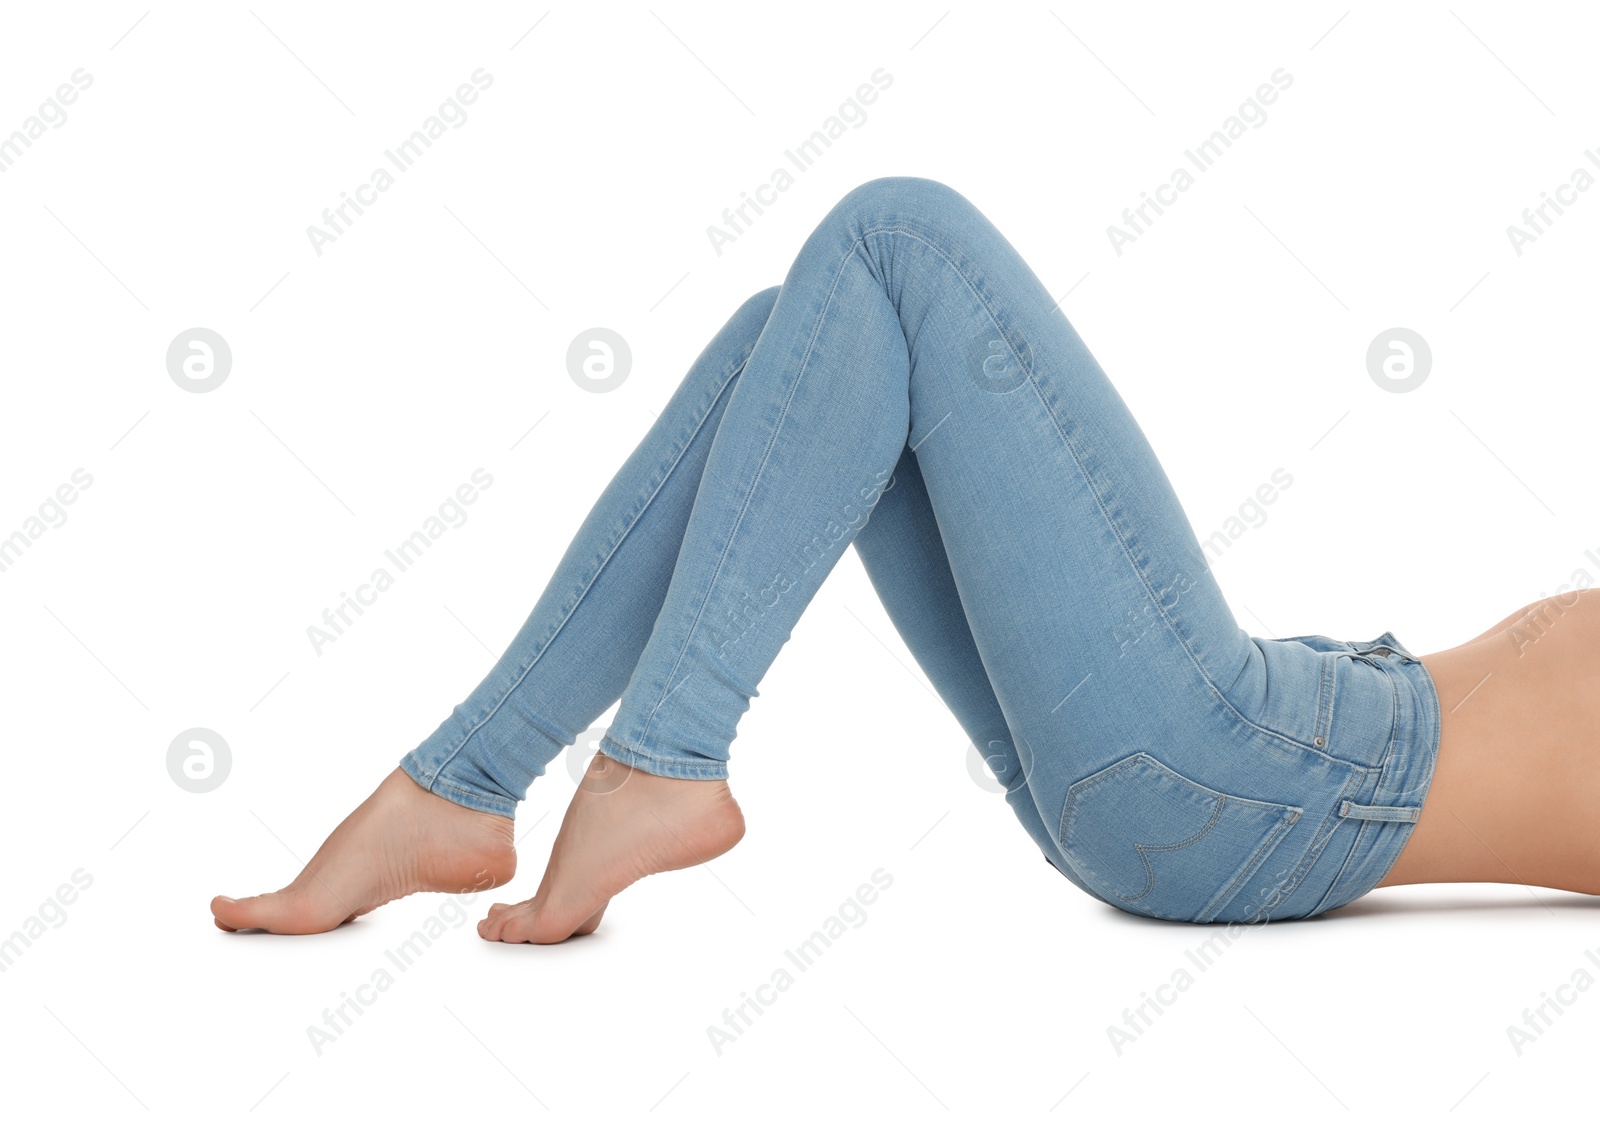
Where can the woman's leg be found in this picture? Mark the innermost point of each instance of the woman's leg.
(904, 556)
(572, 657)
(566, 665)
(907, 318)
(602, 601)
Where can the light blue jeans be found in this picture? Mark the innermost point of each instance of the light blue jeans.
(914, 389)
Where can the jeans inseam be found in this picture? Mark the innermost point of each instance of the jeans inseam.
(755, 481)
(588, 584)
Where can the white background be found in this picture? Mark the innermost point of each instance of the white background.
(370, 381)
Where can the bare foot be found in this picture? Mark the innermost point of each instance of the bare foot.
(402, 840)
(622, 824)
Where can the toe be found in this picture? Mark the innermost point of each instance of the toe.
(234, 914)
(515, 925)
(489, 926)
(283, 912)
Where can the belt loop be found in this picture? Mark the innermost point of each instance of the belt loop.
(1348, 810)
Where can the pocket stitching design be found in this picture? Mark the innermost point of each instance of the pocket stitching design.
(1287, 815)
(1145, 850)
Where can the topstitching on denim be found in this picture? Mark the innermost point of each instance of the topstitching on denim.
(733, 532)
(733, 372)
(925, 238)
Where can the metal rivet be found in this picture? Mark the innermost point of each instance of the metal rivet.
(1319, 741)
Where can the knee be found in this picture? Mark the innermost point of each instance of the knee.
(752, 315)
(760, 305)
(900, 197)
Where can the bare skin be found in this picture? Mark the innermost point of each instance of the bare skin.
(622, 825)
(1515, 798)
(401, 840)
(1516, 790)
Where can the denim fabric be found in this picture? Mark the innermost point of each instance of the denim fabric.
(913, 388)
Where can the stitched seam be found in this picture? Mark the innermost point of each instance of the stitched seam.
(497, 801)
(1216, 813)
(1393, 859)
(1328, 699)
(1146, 851)
(1378, 812)
(1334, 886)
(1267, 845)
(1365, 830)
(673, 767)
(755, 481)
(599, 569)
(1343, 866)
(1094, 491)
(1395, 856)
(1231, 890)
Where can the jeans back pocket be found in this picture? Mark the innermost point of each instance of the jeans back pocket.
(1158, 843)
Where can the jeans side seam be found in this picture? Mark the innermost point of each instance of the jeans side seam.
(755, 482)
(1144, 580)
(588, 584)
(899, 227)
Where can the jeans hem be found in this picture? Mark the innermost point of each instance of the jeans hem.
(674, 768)
(473, 801)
